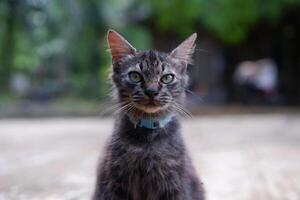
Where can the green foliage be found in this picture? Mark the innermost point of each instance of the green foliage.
(25, 59)
(176, 15)
(138, 36)
(67, 39)
(229, 20)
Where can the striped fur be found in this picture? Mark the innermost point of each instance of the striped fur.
(141, 163)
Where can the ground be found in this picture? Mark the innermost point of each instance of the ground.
(238, 157)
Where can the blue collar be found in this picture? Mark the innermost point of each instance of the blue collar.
(151, 123)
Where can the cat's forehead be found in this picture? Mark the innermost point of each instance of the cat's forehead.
(151, 60)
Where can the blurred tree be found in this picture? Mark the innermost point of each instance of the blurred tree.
(62, 43)
(8, 30)
(229, 20)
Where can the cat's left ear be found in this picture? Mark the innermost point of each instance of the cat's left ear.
(184, 52)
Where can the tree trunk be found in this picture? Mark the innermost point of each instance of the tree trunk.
(8, 44)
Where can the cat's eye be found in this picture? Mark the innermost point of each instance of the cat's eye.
(135, 77)
(167, 78)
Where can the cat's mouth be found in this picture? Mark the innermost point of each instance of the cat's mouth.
(151, 106)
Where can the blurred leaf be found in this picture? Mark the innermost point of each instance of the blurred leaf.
(138, 36)
(229, 20)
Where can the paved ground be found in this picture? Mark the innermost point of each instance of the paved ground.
(239, 157)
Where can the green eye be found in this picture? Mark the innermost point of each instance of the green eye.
(135, 77)
(168, 78)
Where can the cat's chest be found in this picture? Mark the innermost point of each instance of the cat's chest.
(148, 157)
(146, 169)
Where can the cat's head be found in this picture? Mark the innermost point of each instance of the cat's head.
(149, 82)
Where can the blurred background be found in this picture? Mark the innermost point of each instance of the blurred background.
(53, 58)
(244, 92)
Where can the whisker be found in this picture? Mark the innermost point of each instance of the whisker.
(129, 108)
(185, 110)
(181, 112)
(194, 95)
(123, 107)
(179, 108)
(202, 50)
(110, 109)
(175, 109)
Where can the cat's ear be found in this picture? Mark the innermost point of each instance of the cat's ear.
(185, 50)
(119, 47)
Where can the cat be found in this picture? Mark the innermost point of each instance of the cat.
(146, 158)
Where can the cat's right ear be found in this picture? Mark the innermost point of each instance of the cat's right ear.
(119, 47)
(185, 50)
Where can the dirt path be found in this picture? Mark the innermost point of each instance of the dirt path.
(239, 157)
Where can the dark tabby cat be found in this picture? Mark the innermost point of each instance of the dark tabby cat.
(146, 158)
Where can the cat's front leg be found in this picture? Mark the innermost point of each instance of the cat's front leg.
(173, 195)
(104, 193)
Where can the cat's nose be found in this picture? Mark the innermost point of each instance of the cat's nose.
(151, 92)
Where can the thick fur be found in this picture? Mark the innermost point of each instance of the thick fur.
(144, 164)
(141, 163)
